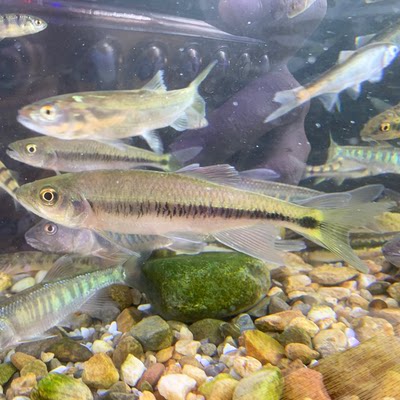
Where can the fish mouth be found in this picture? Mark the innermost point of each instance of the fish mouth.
(13, 154)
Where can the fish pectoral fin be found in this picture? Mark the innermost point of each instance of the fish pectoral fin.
(328, 200)
(156, 83)
(223, 174)
(182, 245)
(154, 141)
(377, 77)
(256, 241)
(361, 41)
(344, 55)
(354, 91)
(329, 100)
(193, 117)
(62, 268)
(261, 174)
(99, 302)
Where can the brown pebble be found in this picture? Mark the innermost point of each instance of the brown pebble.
(21, 359)
(152, 375)
(188, 360)
(127, 345)
(22, 386)
(165, 354)
(128, 317)
(377, 304)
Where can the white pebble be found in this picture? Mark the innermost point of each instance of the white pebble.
(228, 348)
(60, 370)
(175, 386)
(23, 284)
(204, 362)
(144, 307)
(132, 370)
(107, 337)
(185, 334)
(353, 342)
(85, 332)
(318, 313)
(76, 332)
(46, 357)
(113, 329)
(100, 346)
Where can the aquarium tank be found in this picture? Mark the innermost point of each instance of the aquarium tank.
(200, 199)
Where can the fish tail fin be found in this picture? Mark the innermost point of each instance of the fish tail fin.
(289, 100)
(179, 158)
(334, 226)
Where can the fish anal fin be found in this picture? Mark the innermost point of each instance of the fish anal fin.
(223, 174)
(329, 100)
(354, 91)
(256, 241)
(156, 83)
(154, 141)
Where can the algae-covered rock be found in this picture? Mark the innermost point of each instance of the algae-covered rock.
(7, 370)
(222, 384)
(212, 285)
(266, 384)
(60, 387)
(66, 349)
(208, 328)
(153, 333)
(263, 347)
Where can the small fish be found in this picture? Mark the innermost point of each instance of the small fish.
(353, 68)
(27, 315)
(391, 251)
(108, 116)
(86, 155)
(297, 7)
(192, 205)
(7, 182)
(49, 236)
(16, 25)
(384, 126)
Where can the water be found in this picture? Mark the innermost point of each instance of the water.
(108, 45)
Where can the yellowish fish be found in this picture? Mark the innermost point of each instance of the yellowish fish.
(353, 68)
(193, 205)
(16, 25)
(108, 116)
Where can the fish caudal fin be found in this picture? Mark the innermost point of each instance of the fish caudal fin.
(290, 99)
(333, 229)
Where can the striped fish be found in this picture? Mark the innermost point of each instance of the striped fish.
(28, 314)
(7, 181)
(16, 25)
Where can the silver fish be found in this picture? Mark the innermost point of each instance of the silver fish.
(16, 25)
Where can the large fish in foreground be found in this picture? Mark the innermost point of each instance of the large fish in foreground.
(353, 68)
(193, 205)
(16, 25)
(28, 314)
(108, 116)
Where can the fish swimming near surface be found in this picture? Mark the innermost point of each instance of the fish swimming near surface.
(353, 68)
(27, 315)
(108, 116)
(16, 25)
(384, 126)
(194, 204)
(86, 155)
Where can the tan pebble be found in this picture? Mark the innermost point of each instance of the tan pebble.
(99, 372)
(364, 293)
(352, 285)
(325, 323)
(223, 389)
(21, 359)
(22, 386)
(173, 369)
(23, 284)
(196, 373)
(355, 300)
(302, 352)
(302, 322)
(5, 281)
(128, 317)
(373, 267)
(339, 325)
(315, 286)
(193, 396)
(329, 274)
(330, 341)
(100, 346)
(187, 347)
(146, 395)
(318, 313)
(185, 333)
(46, 357)
(296, 282)
(245, 366)
(305, 383)
(275, 291)
(36, 367)
(368, 327)
(394, 291)
(392, 303)
(175, 386)
(336, 292)
(277, 322)
(164, 355)
(296, 294)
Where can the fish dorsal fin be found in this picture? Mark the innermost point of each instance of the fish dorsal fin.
(344, 55)
(361, 41)
(223, 174)
(260, 174)
(327, 200)
(156, 83)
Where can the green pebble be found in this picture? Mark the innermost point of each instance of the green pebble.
(206, 388)
(293, 334)
(208, 328)
(7, 370)
(207, 285)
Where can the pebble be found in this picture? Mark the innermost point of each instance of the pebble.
(220, 388)
(263, 347)
(23, 284)
(187, 347)
(40, 275)
(5, 281)
(368, 327)
(266, 383)
(19, 359)
(132, 370)
(294, 334)
(330, 341)
(146, 395)
(299, 351)
(36, 367)
(335, 292)
(127, 345)
(66, 349)
(277, 322)
(46, 357)
(303, 323)
(128, 317)
(379, 287)
(152, 375)
(208, 328)
(196, 373)
(394, 291)
(208, 349)
(164, 355)
(244, 366)
(296, 282)
(7, 370)
(99, 372)
(318, 313)
(22, 386)
(277, 305)
(100, 346)
(153, 333)
(328, 274)
(175, 386)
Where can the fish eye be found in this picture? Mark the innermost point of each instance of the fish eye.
(50, 229)
(48, 196)
(48, 111)
(385, 127)
(38, 22)
(31, 148)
